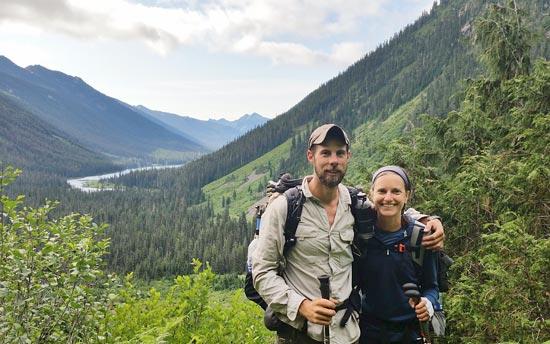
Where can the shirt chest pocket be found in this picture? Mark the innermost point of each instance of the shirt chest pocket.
(342, 246)
(309, 245)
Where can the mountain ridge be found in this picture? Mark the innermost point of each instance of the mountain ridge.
(373, 87)
(29, 143)
(428, 58)
(96, 120)
(210, 133)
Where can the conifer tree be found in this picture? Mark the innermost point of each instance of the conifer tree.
(504, 40)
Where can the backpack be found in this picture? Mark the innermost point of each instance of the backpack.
(292, 191)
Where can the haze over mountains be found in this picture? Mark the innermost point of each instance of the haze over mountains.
(211, 133)
(99, 126)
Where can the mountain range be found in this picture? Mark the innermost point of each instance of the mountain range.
(105, 127)
(420, 71)
(212, 133)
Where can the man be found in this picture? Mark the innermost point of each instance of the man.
(289, 284)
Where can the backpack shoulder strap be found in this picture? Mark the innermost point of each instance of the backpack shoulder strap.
(416, 249)
(295, 202)
(353, 193)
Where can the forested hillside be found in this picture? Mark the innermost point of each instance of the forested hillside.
(35, 146)
(485, 169)
(373, 87)
(431, 56)
(45, 154)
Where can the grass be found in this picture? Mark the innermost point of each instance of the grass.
(246, 185)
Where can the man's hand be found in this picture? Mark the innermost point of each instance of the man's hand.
(435, 240)
(318, 311)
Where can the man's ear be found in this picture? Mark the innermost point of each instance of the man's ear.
(309, 155)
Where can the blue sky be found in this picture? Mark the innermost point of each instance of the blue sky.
(204, 59)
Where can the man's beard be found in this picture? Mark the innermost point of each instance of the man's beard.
(330, 179)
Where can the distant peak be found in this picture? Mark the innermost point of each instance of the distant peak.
(41, 70)
(4, 61)
(253, 115)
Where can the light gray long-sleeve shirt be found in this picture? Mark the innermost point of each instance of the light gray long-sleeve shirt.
(320, 249)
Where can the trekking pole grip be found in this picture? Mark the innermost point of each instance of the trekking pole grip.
(324, 285)
(411, 291)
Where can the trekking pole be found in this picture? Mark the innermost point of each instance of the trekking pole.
(411, 291)
(324, 285)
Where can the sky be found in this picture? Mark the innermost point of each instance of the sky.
(203, 59)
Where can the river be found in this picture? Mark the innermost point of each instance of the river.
(83, 183)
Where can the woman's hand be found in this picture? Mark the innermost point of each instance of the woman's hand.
(421, 309)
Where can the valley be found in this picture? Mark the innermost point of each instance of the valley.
(472, 129)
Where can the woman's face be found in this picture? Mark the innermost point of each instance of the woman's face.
(389, 195)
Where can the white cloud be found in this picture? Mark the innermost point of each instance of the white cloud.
(254, 27)
(288, 53)
(347, 52)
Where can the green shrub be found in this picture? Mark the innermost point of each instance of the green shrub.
(501, 294)
(52, 285)
(189, 312)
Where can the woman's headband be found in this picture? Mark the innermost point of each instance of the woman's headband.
(395, 169)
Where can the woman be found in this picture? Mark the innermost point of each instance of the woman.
(388, 315)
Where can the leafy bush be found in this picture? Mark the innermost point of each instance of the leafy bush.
(53, 289)
(189, 312)
(52, 285)
(501, 294)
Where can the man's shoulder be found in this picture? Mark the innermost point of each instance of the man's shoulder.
(278, 201)
(344, 192)
(278, 204)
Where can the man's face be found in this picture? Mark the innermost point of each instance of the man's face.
(330, 161)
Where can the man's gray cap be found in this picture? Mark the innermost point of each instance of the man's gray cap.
(319, 135)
